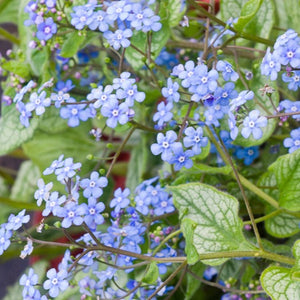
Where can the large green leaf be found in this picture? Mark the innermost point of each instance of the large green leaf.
(282, 283)
(25, 183)
(73, 142)
(171, 11)
(9, 11)
(248, 12)
(288, 14)
(216, 224)
(282, 225)
(231, 8)
(139, 40)
(287, 172)
(12, 132)
(16, 67)
(72, 44)
(263, 21)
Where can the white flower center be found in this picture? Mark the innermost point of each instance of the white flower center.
(54, 281)
(165, 145)
(297, 143)
(74, 111)
(204, 79)
(115, 112)
(92, 211)
(251, 124)
(181, 159)
(92, 183)
(290, 54)
(164, 204)
(47, 29)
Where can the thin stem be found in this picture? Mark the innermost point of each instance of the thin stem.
(245, 182)
(120, 150)
(283, 115)
(143, 127)
(249, 209)
(266, 217)
(183, 265)
(121, 61)
(13, 39)
(168, 237)
(177, 284)
(185, 120)
(222, 287)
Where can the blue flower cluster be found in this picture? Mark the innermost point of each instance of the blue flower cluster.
(115, 19)
(125, 230)
(42, 15)
(286, 53)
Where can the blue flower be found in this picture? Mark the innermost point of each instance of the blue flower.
(101, 96)
(142, 203)
(293, 142)
(123, 81)
(163, 113)
(71, 214)
(16, 221)
(282, 40)
(53, 204)
(232, 126)
(43, 192)
(170, 92)
(209, 273)
(130, 93)
(67, 169)
(247, 154)
(227, 70)
(165, 205)
(181, 158)
(83, 16)
(252, 125)
(28, 248)
(56, 282)
(64, 86)
(118, 9)
(38, 103)
(118, 38)
(144, 19)
(93, 187)
(75, 113)
(242, 98)
(210, 118)
(165, 144)
(289, 54)
(19, 96)
(93, 212)
(46, 30)
(293, 80)
(270, 65)
(194, 138)
(60, 98)
(5, 236)
(290, 107)
(223, 95)
(99, 20)
(29, 281)
(25, 114)
(54, 165)
(115, 113)
(185, 73)
(120, 199)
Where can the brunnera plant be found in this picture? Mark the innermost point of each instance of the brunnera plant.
(161, 148)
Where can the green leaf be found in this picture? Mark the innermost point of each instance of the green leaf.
(138, 164)
(287, 172)
(25, 183)
(16, 67)
(248, 11)
(262, 23)
(288, 14)
(193, 284)
(74, 142)
(9, 11)
(231, 8)
(152, 273)
(171, 11)
(12, 132)
(283, 283)
(277, 283)
(188, 226)
(215, 214)
(283, 225)
(205, 169)
(72, 44)
(139, 40)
